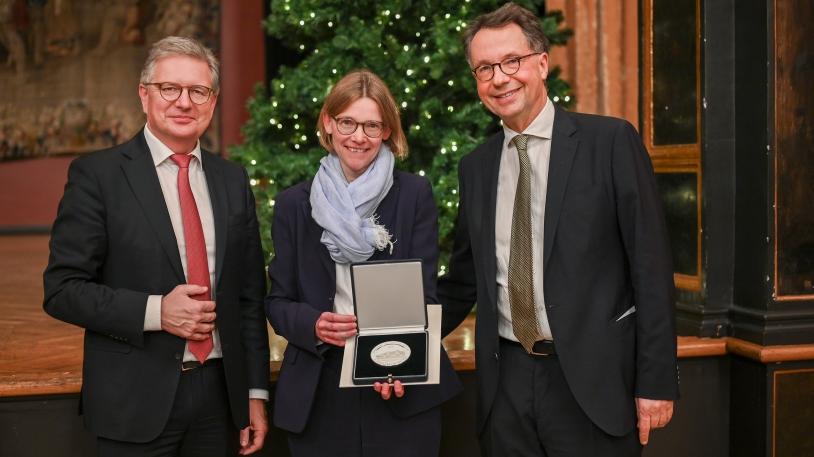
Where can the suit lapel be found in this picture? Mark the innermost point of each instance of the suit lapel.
(143, 180)
(563, 149)
(386, 212)
(220, 209)
(491, 173)
(387, 216)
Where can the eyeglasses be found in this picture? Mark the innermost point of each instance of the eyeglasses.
(172, 92)
(347, 126)
(508, 66)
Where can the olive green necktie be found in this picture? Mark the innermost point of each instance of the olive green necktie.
(521, 268)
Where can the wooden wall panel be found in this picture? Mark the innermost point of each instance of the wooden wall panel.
(601, 60)
(794, 150)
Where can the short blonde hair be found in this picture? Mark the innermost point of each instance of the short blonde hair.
(180, 46)
(360, 84)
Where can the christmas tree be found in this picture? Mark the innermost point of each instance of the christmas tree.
(416, 48)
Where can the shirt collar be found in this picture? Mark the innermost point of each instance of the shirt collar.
(542, 126)
(161, 152)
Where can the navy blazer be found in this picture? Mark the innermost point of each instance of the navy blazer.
(113, 245)
(605, 250)
(303, 285)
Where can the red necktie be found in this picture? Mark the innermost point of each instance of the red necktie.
(197, 260)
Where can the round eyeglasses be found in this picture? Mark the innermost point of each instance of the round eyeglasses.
(172, 92)
(508, 66)
(348, 125)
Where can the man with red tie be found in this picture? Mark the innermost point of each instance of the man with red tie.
(155, 252)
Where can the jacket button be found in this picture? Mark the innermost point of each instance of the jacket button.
(177, 356)
(497, 356)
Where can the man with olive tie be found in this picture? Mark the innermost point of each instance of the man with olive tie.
(561, 241)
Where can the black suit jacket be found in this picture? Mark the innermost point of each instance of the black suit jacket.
(605, 250)
(303, 285)
(112, 245)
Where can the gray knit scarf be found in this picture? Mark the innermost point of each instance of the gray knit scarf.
(346, 211)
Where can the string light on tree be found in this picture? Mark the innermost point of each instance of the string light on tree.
(419, 54)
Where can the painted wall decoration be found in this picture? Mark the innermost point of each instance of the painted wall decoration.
(69, 69)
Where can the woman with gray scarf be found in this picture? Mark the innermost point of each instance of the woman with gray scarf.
(356, 208)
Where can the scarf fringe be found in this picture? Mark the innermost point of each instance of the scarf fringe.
(381, 237)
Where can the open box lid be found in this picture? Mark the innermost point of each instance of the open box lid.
(388, 294)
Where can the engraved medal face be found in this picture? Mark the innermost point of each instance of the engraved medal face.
(390, 353)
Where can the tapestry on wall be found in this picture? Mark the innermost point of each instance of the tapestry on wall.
(70, 69)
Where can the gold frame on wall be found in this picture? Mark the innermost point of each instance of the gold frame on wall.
(775, 172)
(678, 157)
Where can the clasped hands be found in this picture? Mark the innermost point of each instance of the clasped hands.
(186, 317)
(333, 328)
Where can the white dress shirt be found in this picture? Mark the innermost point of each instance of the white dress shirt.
(343, 301)
(539, 150)
(167, 171)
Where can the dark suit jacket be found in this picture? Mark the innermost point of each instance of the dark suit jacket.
(605, 249)
(112, 245)
(303, 285)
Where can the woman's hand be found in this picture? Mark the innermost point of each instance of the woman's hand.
(385, 389)
(335, 328)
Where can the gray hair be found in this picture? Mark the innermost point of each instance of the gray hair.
(180, 46)
(510, 13)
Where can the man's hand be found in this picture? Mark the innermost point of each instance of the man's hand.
(335, 328)
(186, 317)
(384, 389)
(253, 436)
(652, 414)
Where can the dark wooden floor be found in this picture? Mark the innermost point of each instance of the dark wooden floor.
(41, 358)
(40, 355)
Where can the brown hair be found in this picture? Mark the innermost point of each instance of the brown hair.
(509, 13)
(360, 84)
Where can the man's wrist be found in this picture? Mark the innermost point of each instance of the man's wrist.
(259, 394)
